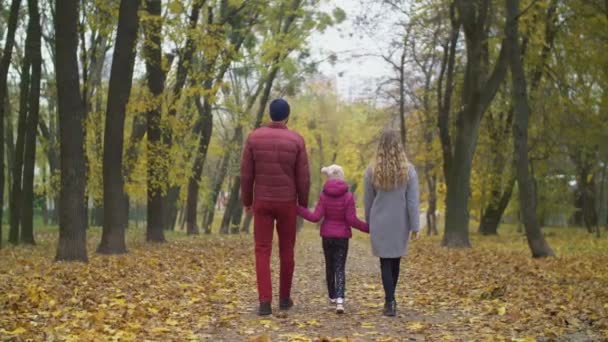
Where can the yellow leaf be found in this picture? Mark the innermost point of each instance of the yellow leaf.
(525, 339)
(160, 330)
(415, 326)
(17, 331)
(367, 325)
(261, 338)
(502, 310)
(171, 321)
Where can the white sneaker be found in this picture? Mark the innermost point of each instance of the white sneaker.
(332, 301)
(340, 305)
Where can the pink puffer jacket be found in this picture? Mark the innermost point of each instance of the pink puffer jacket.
(337, 208)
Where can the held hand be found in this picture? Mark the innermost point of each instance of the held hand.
(249, 211)
(415, 235)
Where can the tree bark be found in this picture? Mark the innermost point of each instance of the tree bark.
(115, 208)
(27, 218)
(536, 241)
(72, 225)
(157, 172)
(5, 64)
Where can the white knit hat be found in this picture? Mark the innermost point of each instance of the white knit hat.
(333, 171)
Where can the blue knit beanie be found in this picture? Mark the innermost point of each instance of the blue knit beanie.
(279, 110)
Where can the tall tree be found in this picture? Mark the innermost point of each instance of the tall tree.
(184, 66)
(31, 127)
(478, 90)
(157, 172)
(5, 63)
(72, 218)
(241, 24)
(115, 208)
(519, 92)
(16, 190)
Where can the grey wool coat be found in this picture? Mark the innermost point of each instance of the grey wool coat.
(392, 215)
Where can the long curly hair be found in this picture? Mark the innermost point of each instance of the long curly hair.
(389, 167)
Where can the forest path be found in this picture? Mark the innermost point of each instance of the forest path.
(312, 318)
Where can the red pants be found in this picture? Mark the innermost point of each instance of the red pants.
(265, 216)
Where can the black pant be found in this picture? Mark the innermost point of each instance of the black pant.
(390, 276)
(335, 251)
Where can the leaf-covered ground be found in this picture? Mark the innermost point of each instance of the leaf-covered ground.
(203, 288)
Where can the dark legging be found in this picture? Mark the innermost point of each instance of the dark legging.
(335, 251)
(390, 276)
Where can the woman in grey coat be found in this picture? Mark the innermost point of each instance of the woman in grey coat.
(392, 210)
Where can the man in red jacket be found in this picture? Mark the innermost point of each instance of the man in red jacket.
(275, 178)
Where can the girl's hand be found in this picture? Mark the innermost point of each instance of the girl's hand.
(415, 235)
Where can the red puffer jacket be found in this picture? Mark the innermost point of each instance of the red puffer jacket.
(275, 166)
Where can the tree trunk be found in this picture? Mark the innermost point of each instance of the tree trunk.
(402, 99)
(5, 64)
(479, 89)
(215, 191)
(246, 226)
(45, 203)
(97, 219)
(502, 174)
(27, 224)
(233, 205)
(115, 209)
(536, 241)
(444, 96)
(157, 173)
(72, 225)
(458, 190)
(183, 65)
(431, 217)
(492, 214)
(588, 201)
(16, 191)
(602, 205)
(197, 168)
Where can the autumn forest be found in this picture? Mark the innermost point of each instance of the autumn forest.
(123, 123)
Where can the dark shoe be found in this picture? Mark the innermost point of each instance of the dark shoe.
(265, 309)
(390, 309)
(285, 304)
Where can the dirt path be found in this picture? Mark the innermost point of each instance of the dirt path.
(312, 318)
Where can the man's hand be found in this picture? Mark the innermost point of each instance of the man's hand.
(415, 235)
(249, 210)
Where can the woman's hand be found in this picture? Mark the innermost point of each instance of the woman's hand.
(415, 235)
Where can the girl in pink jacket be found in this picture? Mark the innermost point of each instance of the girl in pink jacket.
(336, 207)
